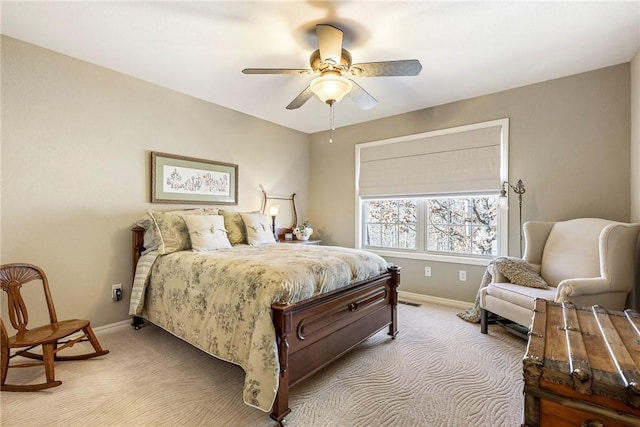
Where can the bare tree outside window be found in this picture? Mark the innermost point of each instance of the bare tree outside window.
(453, 225)
(391, 223)
(463, 225)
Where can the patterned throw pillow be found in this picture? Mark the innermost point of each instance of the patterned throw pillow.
(519, 272)
(207, 233)
(234, 224)
(171, 233)
(258, 226)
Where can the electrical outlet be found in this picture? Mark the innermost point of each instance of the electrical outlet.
(462, 275)
(116, 292)
(427, 271)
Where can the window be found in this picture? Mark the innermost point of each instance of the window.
(455, 226)
(391, 223)
(434, 195)
(463, 225)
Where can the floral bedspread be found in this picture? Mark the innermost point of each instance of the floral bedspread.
(220, 301)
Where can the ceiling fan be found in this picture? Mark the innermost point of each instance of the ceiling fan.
(332, 63)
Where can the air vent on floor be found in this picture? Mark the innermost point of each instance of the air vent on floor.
(413, 304)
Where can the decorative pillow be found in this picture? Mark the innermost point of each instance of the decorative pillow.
(171, 233)
(519, 272)
(258, 226)
(207, 232)
(151, 241)
(151, 238)
(233, 223)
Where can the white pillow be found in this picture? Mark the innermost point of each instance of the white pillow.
(258, 226)
(207, 232)
(166, 231)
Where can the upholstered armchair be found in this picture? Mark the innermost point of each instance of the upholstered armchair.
(584, 261)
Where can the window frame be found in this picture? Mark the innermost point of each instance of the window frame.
(419, 219)
(421, 253)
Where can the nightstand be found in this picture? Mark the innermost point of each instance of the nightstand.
(301, 242)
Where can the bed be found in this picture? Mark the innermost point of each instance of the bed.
(251, 305)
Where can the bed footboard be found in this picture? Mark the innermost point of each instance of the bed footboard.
(313, 333)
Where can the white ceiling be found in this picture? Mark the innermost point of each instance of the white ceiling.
(199, 48)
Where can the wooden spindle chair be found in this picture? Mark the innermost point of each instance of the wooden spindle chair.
(49, 336)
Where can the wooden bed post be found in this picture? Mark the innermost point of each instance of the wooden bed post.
(395, 277)
(283, 324)
(138, 247)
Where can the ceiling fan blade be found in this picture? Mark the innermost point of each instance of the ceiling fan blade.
(329, 43)
(276, 71)
(299, 100)
(409, 67)
(361, 97)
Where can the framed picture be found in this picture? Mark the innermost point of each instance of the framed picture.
(180, 179)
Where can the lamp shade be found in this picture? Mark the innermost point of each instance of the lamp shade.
(273, 210)
(503, 203)
(330, 87)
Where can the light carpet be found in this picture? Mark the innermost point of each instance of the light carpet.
(439, 371)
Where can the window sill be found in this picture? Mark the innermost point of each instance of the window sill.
(431, 257)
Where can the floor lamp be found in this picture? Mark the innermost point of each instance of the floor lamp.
(519, 190)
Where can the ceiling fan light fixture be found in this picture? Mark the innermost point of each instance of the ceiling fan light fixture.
(331, 88)
(331, 61)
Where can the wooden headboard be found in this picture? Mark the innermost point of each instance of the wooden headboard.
(138, 245)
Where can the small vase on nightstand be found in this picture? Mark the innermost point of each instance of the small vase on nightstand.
(303, 232)
(304, 235)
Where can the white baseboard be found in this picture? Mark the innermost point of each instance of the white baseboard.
(104, 328)
(420, 298)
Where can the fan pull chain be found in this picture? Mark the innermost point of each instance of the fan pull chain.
(332, 126)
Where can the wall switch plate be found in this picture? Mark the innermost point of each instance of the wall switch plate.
(462, 275)
(427, 271)
(116, 292)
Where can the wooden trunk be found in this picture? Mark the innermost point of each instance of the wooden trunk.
(581, 367)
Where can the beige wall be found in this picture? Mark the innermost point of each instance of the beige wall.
(76, 138)
(75, 168)
(635, 138)
(569, 143)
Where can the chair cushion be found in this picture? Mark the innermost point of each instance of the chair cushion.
(519, 295)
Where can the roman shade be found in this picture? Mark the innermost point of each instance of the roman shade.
(466, 160)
